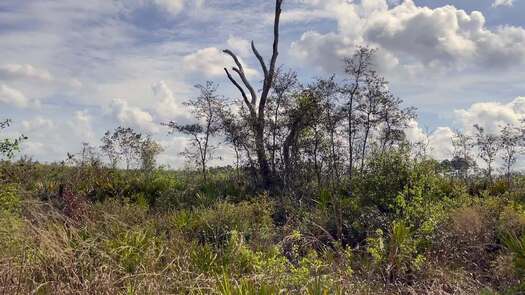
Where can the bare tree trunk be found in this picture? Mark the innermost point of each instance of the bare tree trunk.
(204, 172)
(274, 134)
(509, 174)
(336, 200)
(202, 155)
(253, 169)
(264, 168)
(351, 146)
(257, 107)
(286, 156)
(316, 160)
(365, 141)
(237, 162)
(489, 172)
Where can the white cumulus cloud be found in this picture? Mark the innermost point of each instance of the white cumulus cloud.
(167, 106)
(38, 123)
(133, 116)
(241, 45)
(82, 121)
(172, 6)
(14, 71)
(492, 115)
(211, 62)
(445, 37)
(502, 3)
(14, 97)
(439, 141)
(489, 115)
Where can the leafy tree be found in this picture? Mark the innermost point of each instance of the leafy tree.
(370, 109)
(395, 120)
(149, 150)
(329, 115)
(510, 142)
(488, 147)
(357, 67)
(300, 117)
(285, 86)
(236, 133)
(8, 147)
(122, 144)
(373, 96)
(463, 160)
(207, 109)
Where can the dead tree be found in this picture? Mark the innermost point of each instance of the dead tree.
(257, 105)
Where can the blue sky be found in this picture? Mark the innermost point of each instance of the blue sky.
(69, 69)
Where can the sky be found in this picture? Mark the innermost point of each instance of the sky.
(70, 70)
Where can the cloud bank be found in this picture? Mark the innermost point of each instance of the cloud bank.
(412, 37)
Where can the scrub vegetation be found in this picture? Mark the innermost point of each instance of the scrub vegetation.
(325, 195)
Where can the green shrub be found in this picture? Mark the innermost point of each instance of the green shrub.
(384, 177)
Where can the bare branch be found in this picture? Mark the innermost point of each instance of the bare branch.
(275, 53)
(269, 80)
(261, 60)
(241, 90)
(242, 75)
